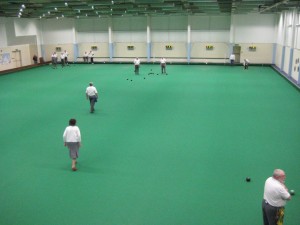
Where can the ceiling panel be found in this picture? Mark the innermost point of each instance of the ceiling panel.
(107, 8)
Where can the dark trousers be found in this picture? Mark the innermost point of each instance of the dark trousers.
(272, 215)
(136, 69)
(93, 100)
(163, 68)
(54, 62)
(92, 60)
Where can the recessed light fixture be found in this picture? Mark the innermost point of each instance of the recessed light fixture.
(66, 4)
(112, 2)
(23, 6)
(92, 7)
(55, 9)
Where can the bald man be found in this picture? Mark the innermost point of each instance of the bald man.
(276, 195)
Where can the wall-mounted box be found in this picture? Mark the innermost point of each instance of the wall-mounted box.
(94, 48)
(209, 47)
(252, 48)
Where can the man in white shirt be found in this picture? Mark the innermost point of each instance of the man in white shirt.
(66, 57)
(232, 58)
(92, 95)
(136, 63)
(163, 65)
(54, 60)
(246, 64)
(91, 55)
(86, 57)
(275, 196)
(62, 59)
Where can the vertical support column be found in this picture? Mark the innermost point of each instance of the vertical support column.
(110, 41)
(189, 40)
(148, 39)
(232, 31)
(230, 49)
(294, 21)
(291, 61)
(40, 41)
(282, 58)
(274, 54)
(298, 81)
(284, 42)
(232, 40)
(297, 33)
(75, 45)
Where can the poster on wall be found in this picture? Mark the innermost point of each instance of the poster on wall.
(5, 58)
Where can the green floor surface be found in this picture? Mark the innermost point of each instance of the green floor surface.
(159, 150)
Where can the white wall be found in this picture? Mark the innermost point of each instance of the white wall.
(58, 31)
(296, 65)
(210, 36)
(19, 58)
(3, 39)
(199, 53)
(91, 30)
(288, 44)
(78, 35)
(286, 59)
(253, 28)
(278, 55)
(25, 27)
(121, 50)
(131, 36)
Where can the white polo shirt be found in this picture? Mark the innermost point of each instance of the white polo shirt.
(91, 54)
(136, 62)
(72, 134)
(91, 91)
(163, 61)
(275, 193)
